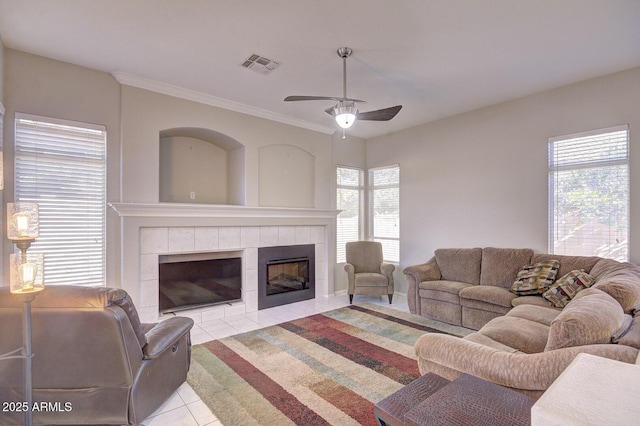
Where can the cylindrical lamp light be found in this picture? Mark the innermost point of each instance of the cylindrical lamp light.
(26, 273)
(23, 223)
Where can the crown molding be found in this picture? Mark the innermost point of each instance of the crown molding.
(192, 95)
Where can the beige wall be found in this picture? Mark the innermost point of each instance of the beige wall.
(190, 165)
(480, 179)
(134, 119)
(40, 86)
(287, 176)
(145, 114)
(477, 179)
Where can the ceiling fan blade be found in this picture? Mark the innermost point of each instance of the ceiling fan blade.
(319, 98)
(384, 114)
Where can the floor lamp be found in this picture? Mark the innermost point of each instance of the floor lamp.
(27, 280)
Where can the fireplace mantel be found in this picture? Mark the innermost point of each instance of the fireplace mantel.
(217, 211)
(149, 230)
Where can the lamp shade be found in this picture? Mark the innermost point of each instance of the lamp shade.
(345, 113)
(23, 221)
(26, 273)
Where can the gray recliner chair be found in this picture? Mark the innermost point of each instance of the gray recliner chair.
(366, 271)
(92, 356)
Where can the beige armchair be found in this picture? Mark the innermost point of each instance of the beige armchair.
(366, 271)
(93, 359)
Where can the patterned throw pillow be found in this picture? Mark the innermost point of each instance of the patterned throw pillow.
(567, 286)
(535, 279)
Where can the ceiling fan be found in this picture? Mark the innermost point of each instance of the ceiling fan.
(345, 111)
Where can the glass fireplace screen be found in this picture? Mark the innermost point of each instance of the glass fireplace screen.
(287, 275)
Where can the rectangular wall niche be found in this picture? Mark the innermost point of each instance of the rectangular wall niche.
(286, 274)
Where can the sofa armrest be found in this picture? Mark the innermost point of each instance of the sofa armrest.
(351, 280)
(516, 370)
(427, 271)
(387, 269)
(414, 275)
(164, 335)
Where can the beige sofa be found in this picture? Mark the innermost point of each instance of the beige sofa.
(522, 342)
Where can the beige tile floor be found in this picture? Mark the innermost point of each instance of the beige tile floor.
(185, 408)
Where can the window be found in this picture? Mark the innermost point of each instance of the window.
(61, 166)
(384, 210)
(350, 199)
(589, 194)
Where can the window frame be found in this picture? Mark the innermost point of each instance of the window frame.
(554, 168)
(371, 188)
(55, 259)
(340, 252)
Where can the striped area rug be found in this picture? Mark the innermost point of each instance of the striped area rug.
(325, 369)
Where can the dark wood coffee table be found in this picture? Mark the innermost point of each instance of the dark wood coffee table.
(467, 400)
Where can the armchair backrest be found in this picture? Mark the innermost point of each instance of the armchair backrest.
(365, 256)
(83, 340)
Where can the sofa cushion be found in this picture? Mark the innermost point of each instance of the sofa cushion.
(632, 335)
(447, 291)
(518, 333)
(486, 295)
(459, 264)
(622, 282)
(592, 317)
(603, 266)
(568, 263)
(538, 314)
(501, 265)
(536, 278)
(487, 341)
(566, 287)
(536, 300)
(370, 279)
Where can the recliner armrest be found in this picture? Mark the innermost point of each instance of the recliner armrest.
(427, 271)
(164, 334)
(349, 268)
(387, 269)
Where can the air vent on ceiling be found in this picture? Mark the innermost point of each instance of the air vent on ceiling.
(260, 64)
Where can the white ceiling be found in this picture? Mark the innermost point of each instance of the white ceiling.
(437, 58)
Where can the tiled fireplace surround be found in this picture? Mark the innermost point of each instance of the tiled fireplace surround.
(152, 230)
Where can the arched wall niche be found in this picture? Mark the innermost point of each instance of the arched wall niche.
(201, 166)
(287, 176)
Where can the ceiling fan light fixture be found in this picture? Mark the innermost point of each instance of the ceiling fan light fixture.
(345, 113)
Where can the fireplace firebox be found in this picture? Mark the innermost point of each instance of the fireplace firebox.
(286, 274)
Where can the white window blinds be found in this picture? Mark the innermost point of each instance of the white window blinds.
(61, 166)
(350, 200)
(589, 194)
(384, 202)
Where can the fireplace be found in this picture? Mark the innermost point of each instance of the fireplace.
(286, 274)
(196, 280)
